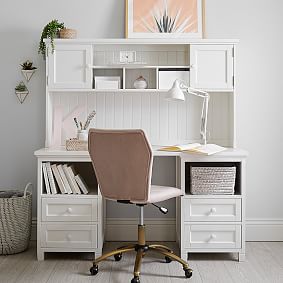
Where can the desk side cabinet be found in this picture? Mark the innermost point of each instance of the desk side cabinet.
(212, 223)
(69, 222)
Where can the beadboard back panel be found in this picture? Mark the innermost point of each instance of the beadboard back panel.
(161, 55)
(165, 123)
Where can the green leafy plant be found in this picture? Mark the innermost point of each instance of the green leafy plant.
(165, 23)
(27, 65)
(21, 87)
(51, 31)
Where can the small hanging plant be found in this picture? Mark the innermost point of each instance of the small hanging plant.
(51, 31)
(21, 91)
(27, 65)
(21, 87)
(28, 69)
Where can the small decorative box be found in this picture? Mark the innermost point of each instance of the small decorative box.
(76, 145)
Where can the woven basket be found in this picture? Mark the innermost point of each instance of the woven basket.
(68, 33)
(15, 223)
(76, 145)
(213, 180)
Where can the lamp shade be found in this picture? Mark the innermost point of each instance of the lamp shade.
(175, 92)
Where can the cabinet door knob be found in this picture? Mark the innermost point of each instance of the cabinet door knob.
(69, 237)
(212, 210)
(69, 210)
(212, 236)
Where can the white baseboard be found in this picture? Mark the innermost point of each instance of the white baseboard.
(264, 229)
(163, 229)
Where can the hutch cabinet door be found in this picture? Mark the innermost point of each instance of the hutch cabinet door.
(211, 66)
(68, 66)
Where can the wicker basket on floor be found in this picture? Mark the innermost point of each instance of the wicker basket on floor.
(15, 222)
(213, 180)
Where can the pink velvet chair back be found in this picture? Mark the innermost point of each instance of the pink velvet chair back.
(122, 160)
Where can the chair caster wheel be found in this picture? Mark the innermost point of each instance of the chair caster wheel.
(118, 257)
(94, 270)
(188, 273)
(168, 259)
(136, 279)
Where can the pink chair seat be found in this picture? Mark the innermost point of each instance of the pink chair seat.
(161, 193)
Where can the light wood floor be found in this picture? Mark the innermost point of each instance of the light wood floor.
(264, 263)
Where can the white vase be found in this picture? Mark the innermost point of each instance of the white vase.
(82, 135)
(140, 83)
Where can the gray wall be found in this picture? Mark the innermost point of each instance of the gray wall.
(257, 23)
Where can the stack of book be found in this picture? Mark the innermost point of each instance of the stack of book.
(61, 178)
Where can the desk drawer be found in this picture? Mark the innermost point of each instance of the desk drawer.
(69, 209)
(212, 210)
(68, 236)
(212, 236)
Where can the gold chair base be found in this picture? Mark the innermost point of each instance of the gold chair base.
(141, 248)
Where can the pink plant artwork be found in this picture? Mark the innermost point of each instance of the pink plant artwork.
(165, 16)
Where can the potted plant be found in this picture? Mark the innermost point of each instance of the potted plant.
(21, 91)
(28, 69)
(51, 30)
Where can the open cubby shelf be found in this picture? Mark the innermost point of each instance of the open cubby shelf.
(129, 74)
(86, 171)
(238, 190)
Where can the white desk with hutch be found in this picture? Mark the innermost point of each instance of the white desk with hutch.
(204, 223)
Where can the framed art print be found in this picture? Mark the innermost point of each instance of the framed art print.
(164, 18)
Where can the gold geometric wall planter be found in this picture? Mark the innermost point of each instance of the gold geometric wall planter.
(22, 95)
(28, 74)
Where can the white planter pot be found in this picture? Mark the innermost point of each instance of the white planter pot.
(28, 74)
(22, 95)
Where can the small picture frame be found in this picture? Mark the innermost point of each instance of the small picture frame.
(164, 19)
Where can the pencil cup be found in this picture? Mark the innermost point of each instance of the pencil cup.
(82, 135)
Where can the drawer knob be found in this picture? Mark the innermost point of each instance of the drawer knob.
(212, 236)
(212, 210)
(69, 237)
(69, 210)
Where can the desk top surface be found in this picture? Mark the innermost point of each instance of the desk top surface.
(61, 152)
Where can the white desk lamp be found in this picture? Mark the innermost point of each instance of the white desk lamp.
(176, 92)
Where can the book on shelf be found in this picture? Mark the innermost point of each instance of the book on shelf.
(207, 149)
(58, 179)
(64, 179)
(46, 180)
(52, 183)
(72, 174)
(83, 186)
(71, 179)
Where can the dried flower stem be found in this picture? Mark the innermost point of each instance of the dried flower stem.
(89, 118)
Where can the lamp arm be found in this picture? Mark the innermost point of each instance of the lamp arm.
(203, 126)
(204, 112)
(194, 91)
